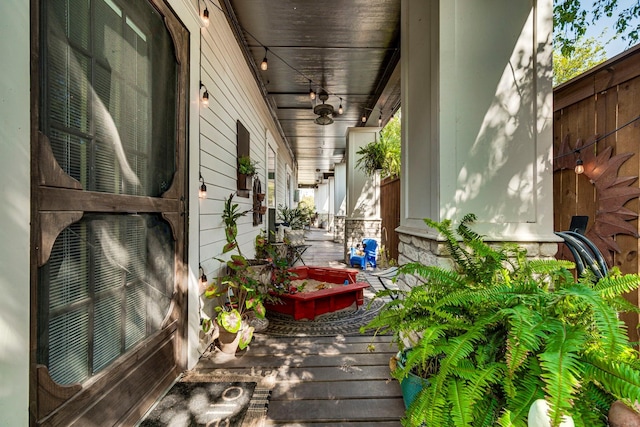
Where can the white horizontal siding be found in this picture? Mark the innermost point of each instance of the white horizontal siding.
(233, 95)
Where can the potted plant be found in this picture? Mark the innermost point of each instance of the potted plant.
(380, 156)
(246, 171)
(243, 287)
(293, 218)
(498, 331)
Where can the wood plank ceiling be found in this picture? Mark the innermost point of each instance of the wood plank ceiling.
(349, 49)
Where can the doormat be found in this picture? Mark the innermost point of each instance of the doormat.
(345, 322)
(210, 403)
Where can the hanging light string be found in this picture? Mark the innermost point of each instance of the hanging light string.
(595, 141)
(310, 80)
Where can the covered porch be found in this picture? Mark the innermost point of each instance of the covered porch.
(476, 132)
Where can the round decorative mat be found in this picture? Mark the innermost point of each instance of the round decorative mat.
(343, 322)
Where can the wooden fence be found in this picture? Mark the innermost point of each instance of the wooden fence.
(597, 122)
(390, 214)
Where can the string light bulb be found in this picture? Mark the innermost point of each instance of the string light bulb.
(205, 16)
(264, 65)
(312, 94)
(380, 120)
(203, 277)
(340, 109)
(202, 193)
(579, 169)
(205, 95)
(364, 118)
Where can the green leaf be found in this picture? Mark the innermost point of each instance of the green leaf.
(229, 247)
(260, 310)
(213, 291)
(561, 368)
(230, 320)
(246, 335)
(237, 262)
(461, 407)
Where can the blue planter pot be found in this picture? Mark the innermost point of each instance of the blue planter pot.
(411, 385)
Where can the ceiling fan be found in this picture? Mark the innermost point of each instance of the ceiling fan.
(324, 111)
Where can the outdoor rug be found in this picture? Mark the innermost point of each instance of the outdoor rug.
(205, 400)
(345, 322)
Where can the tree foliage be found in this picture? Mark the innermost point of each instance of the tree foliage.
(571, 19)
(587, 53)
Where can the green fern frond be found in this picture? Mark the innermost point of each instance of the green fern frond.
(548, 266)
(427, 409)
(504, 330)
(527, 388)
(621, 305)
(434, 274)
(483, 380)
(523, 338)
(598, 397)
(506, 420)
(611, 286)
(611, 337)
(592, 406)
(486, 411)
(461, 406)
(619, 379)
(562, 368)
(463, 228)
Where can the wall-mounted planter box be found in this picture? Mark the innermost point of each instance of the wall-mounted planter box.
(245, 182)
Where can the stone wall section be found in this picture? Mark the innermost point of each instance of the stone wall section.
(431, 252)
(338, 232)
(357, 229)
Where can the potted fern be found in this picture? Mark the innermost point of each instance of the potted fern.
(500, 331)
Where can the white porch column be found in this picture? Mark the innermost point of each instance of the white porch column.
(340, 200)
(321, 197)
(331, 184)
(476, 119)
(363, 192)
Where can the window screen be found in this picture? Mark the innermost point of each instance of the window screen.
(108, 108)
(111, 95)
(110, 282)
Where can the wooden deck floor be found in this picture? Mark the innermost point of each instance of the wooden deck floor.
(322, 381)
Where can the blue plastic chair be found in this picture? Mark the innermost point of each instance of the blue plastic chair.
(370, 254)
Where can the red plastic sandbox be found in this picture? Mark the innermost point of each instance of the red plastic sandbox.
(308, 305)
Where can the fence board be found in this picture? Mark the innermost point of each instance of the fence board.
(390, 215)
(602, 101)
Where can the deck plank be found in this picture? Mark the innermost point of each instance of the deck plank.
(336, 410)
(337, 390)
(307, 360)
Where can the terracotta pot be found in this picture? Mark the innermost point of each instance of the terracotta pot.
(228, 341)
(260, 197)
(620, 415)
(263, 210)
